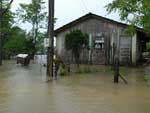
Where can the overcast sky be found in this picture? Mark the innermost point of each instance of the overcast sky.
(69, 10)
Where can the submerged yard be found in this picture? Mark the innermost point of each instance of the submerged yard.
(23, 91)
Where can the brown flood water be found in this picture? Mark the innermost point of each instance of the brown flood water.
(23, 91)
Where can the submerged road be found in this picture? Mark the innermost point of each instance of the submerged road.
(23, 91)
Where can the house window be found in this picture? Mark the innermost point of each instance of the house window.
(99, 42)
(99, 38)
(99, 45)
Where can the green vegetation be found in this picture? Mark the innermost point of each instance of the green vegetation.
(16, 40)
(148, 46)
(147, 78)
(135, 12)
(63, 70)
(85, 70)
(74, 41)
(16, 43)
(34, 13)
(6, 20)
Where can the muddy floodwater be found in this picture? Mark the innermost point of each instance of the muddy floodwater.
(22, 90)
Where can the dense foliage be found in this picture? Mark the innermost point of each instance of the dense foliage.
(17, 43)
(135, 12)
(14, 39)
(6, 22)
(74, 41)
(33, 13)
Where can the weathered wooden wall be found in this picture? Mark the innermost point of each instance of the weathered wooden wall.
(94, 27)
(125, 50)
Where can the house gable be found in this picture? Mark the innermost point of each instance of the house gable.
(86, 18)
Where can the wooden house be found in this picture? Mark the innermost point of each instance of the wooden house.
(103, 35)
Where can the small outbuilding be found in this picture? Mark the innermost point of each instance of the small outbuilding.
(23, 59)
(103, 33)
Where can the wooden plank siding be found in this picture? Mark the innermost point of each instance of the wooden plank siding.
(95, 27)
(125, 50)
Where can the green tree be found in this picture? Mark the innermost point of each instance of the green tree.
(14, 44)
(6, 19)
(74, 41)
(135, 12)
(5, 6)
(19, 42)
(34, 14)
(40, 42)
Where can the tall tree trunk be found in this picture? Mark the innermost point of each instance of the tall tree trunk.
(36, 27)
(77, 58)
(7, 7)
(0, 40)
(1, 17)
(2, 13)
(33, 36)
(36, 33)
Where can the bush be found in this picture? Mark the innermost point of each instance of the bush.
(87, 70)
(63, 70)
(147, 78)
(83, 70)
(79, 71)
(148, 46)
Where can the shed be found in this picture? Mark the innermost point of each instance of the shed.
(104, 35)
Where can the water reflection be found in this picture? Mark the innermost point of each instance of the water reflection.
(23, 91)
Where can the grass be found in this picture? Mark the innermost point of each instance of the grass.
(147, 78)
(63, 70)
(147, 45)
(122, 70)
(88, 69)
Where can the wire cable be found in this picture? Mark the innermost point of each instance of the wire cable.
(84, 5)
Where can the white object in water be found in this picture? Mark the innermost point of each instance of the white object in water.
(22, 55)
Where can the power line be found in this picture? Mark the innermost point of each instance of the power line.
(83, 10)
(84, 4)
(99, 6)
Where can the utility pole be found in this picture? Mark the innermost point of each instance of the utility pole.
(50, 51)
(1, 21)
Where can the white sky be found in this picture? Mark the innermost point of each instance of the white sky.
(69, 10)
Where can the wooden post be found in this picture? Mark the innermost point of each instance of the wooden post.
(48, 60)
(107, 48)
(116, 69)
(51, 38)
(116, 59)
(90, 49)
